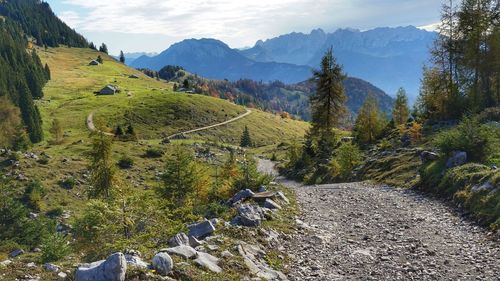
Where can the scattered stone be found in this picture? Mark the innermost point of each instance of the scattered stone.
(202, 229)
(62, 275)
(113, 268)
(262, 196)
(270, 204)
(31, 265)
(262, 188)
(5, 263)
(458, 158)
(16, 253)
(163, 263)
(281, 196)
(136, 261)
(253, 256)
(250, 215)
(51, 267)
(193, 242)
(226, 254)
(64, 228)
(487, 186)
(428, 156)
(183, 251)
(242, 195)
(179, 239)
(208, 261)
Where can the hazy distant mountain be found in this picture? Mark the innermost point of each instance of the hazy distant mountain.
(214, 59)
(387, 57)
(131, 57)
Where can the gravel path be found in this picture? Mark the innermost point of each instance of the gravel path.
(361, 231)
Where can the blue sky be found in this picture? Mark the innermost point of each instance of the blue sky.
(153, 25)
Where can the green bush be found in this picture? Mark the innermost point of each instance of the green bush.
(34, 194)
(126, 162)
(68, 183)
(54, 248)
(153, 153)
(348, 156)
(470, 136)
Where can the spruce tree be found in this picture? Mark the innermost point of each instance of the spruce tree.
(122, 57)
(102, 171)
(103, 48)
(401, 111)
(48, 75)
(328, 102)
(246, 139)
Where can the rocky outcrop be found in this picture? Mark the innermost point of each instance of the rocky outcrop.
(249, 215)
(208, 261)
(202, 229)
(113, 268)
(183, 251)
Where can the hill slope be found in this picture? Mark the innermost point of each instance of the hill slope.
(387, 57)
(215, 60)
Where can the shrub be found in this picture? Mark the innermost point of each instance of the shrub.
(55, 212)
(33, 195)
(54, 248)
(68, 183)
(348, 157)
(126, 162)
(469, 136)
(153, 153)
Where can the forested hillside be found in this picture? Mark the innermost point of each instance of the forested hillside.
(273, 96)
(21, 80)
(38, 21)
(24, 23)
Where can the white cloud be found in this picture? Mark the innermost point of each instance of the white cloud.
(431, 27)
(239, 22)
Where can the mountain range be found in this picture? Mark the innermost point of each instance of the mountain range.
(389, 58)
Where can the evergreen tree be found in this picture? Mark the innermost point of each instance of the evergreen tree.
(180, 178)
(122, 57)
(103, 48)
(370, 122)
(401, 111)
(246, 139)
(327, 104)
(102, 171)
(57, 131)
(48, 76)
(92, 46)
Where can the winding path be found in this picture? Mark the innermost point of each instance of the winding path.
(91, 125)
(362, 231)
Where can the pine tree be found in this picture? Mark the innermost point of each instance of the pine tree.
(401, 111)
(122, 57)
(57, 131)
(327, 104)
(102, 171)
(48, 76)
(246, 139)
(103, 48)
(92, 46)
(370, 122)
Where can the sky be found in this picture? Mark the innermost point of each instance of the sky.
(153, 25)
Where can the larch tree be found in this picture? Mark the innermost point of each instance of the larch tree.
(401, 111)
(370, 122)
(57, 131)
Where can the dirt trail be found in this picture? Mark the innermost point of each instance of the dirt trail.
(91, 126)
(362, 231)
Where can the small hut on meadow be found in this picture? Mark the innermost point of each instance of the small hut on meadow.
(108, 90)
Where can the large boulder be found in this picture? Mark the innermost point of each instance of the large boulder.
(458, 158)
(163, 263)
(250, 215)
(113, 268)
(241, 196)
(202, 229)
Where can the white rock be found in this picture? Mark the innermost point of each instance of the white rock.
(163, 263)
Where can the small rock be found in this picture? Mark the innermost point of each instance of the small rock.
(51, 267)
(270, 204)
(111, 269)
(250, 215)
(202, 229)
(62, 275)
(16, 253)
(5, 263)
(241, 196)
(184, 251)
(226, 254)
(178, 239)
(282, 197)
(208, 261)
